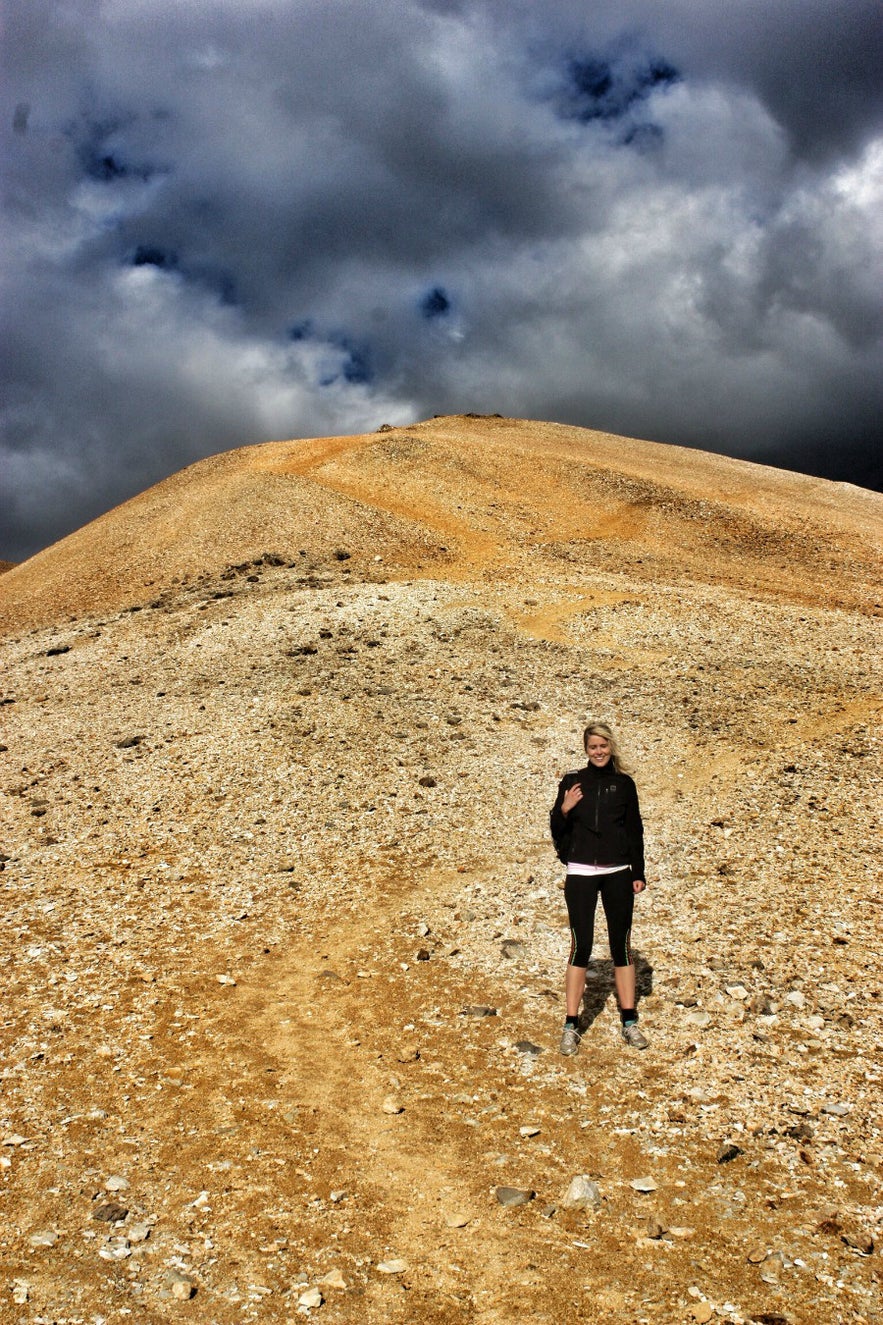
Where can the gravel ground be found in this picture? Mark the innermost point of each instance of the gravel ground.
(283, 930)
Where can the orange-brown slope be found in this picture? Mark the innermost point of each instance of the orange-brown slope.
(466, 498)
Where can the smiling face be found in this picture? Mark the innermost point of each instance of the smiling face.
(598, 750)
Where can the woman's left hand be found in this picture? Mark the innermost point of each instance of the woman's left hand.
(639, 885)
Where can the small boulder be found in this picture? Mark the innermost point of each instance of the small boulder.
(582, 1194)
(512, 1196)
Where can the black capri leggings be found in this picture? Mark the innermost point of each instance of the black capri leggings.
(618, 899)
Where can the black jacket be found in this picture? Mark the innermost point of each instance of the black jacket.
(604, 828)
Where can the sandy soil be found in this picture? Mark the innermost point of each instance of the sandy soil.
(279, 739)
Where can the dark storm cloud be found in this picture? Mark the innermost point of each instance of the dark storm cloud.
(814, 65)
(224, 223)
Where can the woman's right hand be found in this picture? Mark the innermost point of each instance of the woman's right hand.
(572, 796)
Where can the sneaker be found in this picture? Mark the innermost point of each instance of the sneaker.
(570, 1038)
(633, 1035)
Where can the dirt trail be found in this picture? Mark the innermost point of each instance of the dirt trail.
(550, 622)
(350, 1044)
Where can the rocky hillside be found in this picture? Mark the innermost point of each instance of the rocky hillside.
(283, 933)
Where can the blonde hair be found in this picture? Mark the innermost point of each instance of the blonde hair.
(601, 729)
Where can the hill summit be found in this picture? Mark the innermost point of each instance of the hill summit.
(284, 936)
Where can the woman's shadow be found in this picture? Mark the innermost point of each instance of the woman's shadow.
(600, 987)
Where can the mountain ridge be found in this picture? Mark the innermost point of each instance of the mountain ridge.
(625, 478)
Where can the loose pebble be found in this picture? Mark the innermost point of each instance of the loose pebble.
(43, 1238)
(528, 1048)
(582, 1194)
(333, 1279)
(512, 1196)
(181, 1286)
(859, 1239)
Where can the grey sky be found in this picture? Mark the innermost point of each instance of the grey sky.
(224, 223)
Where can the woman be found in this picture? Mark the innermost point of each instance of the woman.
(598, 834)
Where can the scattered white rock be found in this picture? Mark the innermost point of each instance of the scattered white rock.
(181, 1286)
(333, 1279)
(582, 1194)
(44, 1237)
(699, 1017)
(119, 1252)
